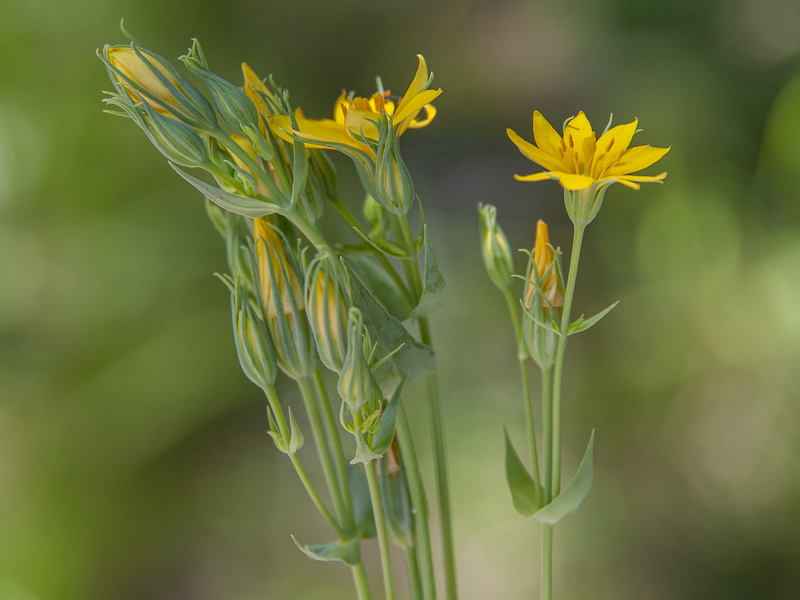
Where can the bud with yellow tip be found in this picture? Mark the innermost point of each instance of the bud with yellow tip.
(327, 313)
(544, 276)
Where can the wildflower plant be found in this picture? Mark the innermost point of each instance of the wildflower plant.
(346, 319)
(585, 166)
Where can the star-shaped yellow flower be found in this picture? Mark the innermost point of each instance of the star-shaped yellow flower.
(578, 159)
(355, 119)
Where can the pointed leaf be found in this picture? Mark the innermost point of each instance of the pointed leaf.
(383, 439)
(574, 494)
(582, 324)
(296, 438)
(385, 289)
(241, 205)
(413, 359)
(433, 286)
(346, 552)
(362, 503)
(524, 490)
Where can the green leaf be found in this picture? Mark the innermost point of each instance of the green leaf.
(582, 324)
(524, 490)
(241, 205)
(433, 287)
(413, 359)
(296, 438)
(383, 439)
(384, 288)
(362, 503)
(344, 551)
(574, 494)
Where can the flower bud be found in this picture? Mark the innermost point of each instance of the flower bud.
(544, 277)
(253, 345)
(178, 142)
(394, 187)
(327, 314)
(357, 386)
(133, 66)
(496, 250)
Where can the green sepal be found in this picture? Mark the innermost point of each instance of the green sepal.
(574, 493)
(380, 283)
(296, 438)
(299, 165)
(383, 439)
(348, 552)
(433, 287)
(364, 454)
(368, 425)
(260, 145)
(241, 205)
(413, 359)
(525, 492)
(581, 324)
(275, 434)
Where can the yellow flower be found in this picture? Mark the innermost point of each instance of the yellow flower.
(256, 91)
(578, 159)
(355, 119)
(131, 65)
(544, 261)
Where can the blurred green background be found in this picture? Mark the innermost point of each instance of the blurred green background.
(134, 462)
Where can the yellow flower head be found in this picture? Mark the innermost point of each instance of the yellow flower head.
(544, 261)
(131, 65)
(578, 159)
(355, 118)
(257, 91)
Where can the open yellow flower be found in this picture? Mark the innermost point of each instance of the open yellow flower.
(578, 159)
(355, 119)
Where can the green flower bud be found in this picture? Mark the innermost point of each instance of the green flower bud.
(394, 187)
(357, 386)
(496, 250)
(253, 345)
(327, 313)
(178, 142)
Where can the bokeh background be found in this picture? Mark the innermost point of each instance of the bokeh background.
(134, 462)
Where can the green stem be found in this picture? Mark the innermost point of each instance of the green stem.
(275, 406)
(340, 462)
(380, 526)
(361, 582)
(530, 420)
(412, 271)
(323, 449)
(547, 432)
(547, 562)
(577, 241)
(419, 503)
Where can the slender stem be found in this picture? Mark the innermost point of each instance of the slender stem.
(336, 442)
(530, 420)
(415, 583)
(323, 448)
(361, 582)
(274, 404)
(412, 271)
(547, 562)
(577, 241)
(380, 526)
(547, 432)
(419, 505)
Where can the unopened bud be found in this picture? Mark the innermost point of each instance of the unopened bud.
(280, 286)
(544, 277)
(253, 345)
(327, 314)
(357, 386)
(178, 142)
(394, 187)
(496, 250)
(133, 66)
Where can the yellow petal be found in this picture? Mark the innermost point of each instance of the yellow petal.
(611, 145)
(543, 176)
(430, 113)
(361, 123)
(417, 84)
(571, 181)
(324, 131)
(535, 154)
(576, 132)
(545, 136)
(642, 178)
(340, 107)
(411, 108)
(635, 159)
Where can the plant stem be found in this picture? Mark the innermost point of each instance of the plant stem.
(547, 434)
(419, 504)
(412, 271)
(323, 449)
(577, 241)
(361, 582)
(380, 526)
(275, 406)
(547, 562)
(336, 442)
(526, 391)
